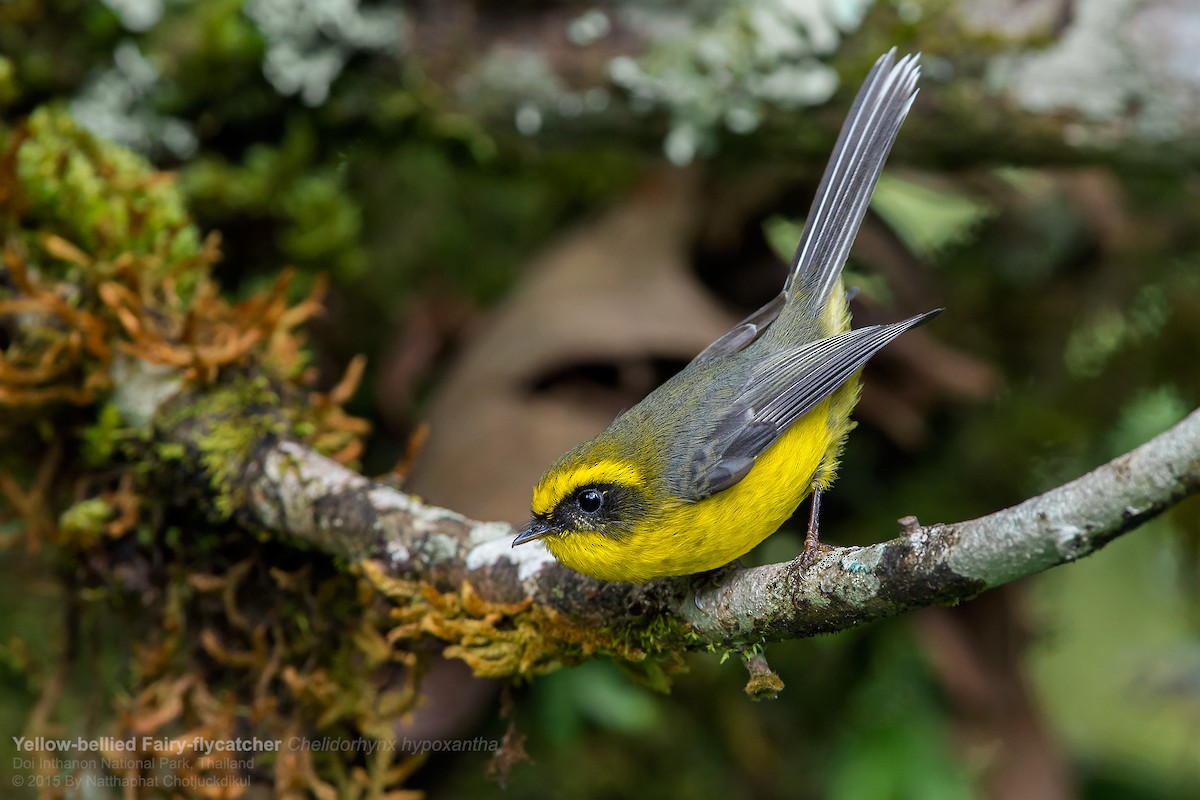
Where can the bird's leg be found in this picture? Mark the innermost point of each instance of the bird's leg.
(812, 538)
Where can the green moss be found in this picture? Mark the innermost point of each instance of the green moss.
(8, 82)
(170, 451)
(224, 424)
(102, 437)
(83, 523)
(658, 636)
(100, 197)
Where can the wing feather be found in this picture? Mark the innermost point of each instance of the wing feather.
(740, 336)
(781, 389)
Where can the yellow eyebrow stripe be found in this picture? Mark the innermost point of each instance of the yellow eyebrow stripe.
(558, 485)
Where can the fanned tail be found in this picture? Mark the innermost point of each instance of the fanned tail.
(845, 190)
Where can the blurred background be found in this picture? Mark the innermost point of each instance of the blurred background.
(530, 214)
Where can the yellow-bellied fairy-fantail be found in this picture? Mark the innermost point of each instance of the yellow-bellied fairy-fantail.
(718, 457)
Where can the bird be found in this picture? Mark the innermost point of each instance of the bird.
(719, 456)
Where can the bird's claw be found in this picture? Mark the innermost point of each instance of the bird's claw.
(810, 555)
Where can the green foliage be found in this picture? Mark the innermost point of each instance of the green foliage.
(1148, 413)
(1105, 331)
(101, 439)
(1116, 668)
(894, 740)
(926, 218)
(594, 695)
(85, 521)
(316, 224)
(8, 84)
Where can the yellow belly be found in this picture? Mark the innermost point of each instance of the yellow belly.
(694, 537)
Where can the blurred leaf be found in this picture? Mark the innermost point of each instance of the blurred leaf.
(1115, 621)
(1150, 412)
(927, 219)
(783, 234)
(894, 741)
(595, 693)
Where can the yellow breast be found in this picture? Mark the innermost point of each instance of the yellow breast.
(688, 537)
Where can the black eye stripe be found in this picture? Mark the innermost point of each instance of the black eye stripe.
(612, 509)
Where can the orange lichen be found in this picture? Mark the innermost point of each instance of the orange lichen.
(497, 640)
(103, 276)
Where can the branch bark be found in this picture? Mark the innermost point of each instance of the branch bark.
(291, 491)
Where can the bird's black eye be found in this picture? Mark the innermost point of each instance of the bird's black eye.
(590, 501)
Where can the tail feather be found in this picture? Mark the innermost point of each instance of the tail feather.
(845, 190)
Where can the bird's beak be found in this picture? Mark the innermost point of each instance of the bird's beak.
(536, 529)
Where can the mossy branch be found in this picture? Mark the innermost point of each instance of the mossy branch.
(207, 404)
(292, 491)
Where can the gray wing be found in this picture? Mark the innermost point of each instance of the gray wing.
(780, 390)
(741, 335)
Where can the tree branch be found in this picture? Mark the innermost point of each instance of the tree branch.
(291, 491)
(946, 563)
